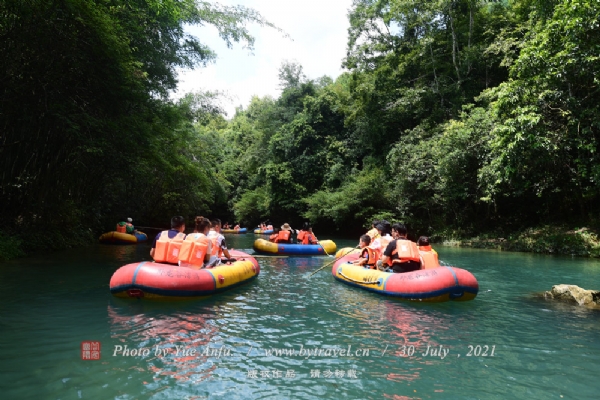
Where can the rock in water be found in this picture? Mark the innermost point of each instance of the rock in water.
(574, 294)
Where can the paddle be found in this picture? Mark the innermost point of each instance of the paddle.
(328, 264)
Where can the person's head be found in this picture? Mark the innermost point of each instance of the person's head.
(216, 224)
(387, 227)
(286, 227)
(306, 226)
(178, 223)
(423, 241)
(379, 227)
(365, 240)
(399, 230)
(202, 225)
(374, 223)
(129, 220)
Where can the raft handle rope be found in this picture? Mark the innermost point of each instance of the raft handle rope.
(357, 281)
(323, 247)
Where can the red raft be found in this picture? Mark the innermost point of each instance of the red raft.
(432, 285)
(164, 281)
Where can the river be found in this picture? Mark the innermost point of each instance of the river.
(286, 335)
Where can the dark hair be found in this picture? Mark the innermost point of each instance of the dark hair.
(215, 222)
(423, 241)
(177, 222)
(400, 228)
(387, 227)
(201, 224)
(306, 226)
(375, 222)
(366, 239)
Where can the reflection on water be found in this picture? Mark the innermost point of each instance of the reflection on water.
(179, 343)
(282, 335)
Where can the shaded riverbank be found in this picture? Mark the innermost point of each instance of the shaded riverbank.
(557, 240)
(581, 242)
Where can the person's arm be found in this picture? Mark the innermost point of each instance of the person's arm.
(387, 253)
(208, 252)
(154, 245)
(226, 253)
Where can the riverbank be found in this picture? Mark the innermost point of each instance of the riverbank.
(581, 242)
(13, 245)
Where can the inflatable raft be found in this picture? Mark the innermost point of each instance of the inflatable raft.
(165, 281)
(325, 247)
(115, 237)
(241, 230)
(265, 232)
(432, 285)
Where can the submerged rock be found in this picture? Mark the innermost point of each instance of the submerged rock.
(574, 294)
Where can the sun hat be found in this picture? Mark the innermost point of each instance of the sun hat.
(129, 220)
(286, 227)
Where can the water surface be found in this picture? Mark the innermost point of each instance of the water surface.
(290, 336)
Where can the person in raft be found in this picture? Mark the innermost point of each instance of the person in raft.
(219, 247)
(237, 227)
(226, 225)
(126, 227)
(274, 235)
(383, 238)
(201, 228)
(306, 235)
(373, 232)
(400, 255)
(368, 256)
(284, 235)
(177, 228)
(428, 255)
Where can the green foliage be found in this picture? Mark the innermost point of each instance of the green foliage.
(546, 240)
(88, 133)
(544, 154)
(355, 203)
(456, 117)
(252, 206)
(10, 247)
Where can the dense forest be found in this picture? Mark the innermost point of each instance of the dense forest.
(456, 117)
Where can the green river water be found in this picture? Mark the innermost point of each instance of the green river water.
(258, 341)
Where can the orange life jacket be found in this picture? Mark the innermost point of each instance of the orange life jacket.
(429, 256)
(194, 249)
(371, 256)
(167, 250)
(305, 237)
(301, 235)
(406, 251)
(283, 237)
(121, 228)
(216, 249)
(273, 237)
